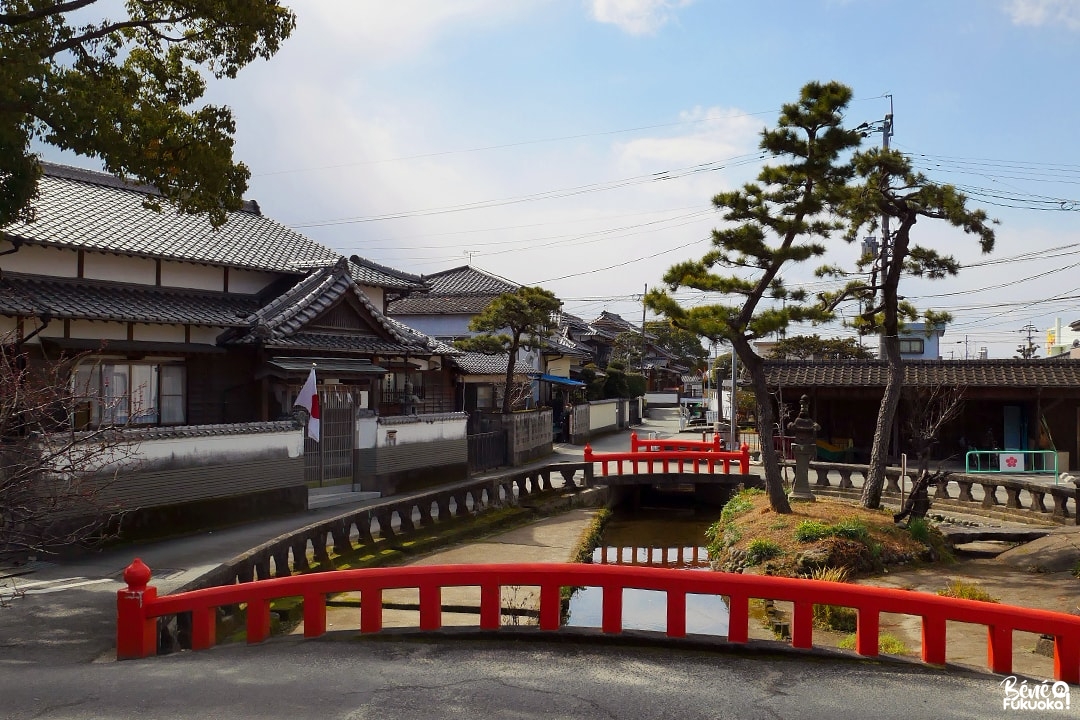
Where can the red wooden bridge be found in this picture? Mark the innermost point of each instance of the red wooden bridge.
(139, 607)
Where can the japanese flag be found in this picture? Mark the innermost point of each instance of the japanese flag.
(309, 400)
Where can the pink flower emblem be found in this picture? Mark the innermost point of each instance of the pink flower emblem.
(1010, 461)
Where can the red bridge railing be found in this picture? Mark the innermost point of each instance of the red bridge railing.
(138, 606)
(662, 444)
(650, 454)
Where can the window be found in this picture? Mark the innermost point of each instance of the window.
(119, 393)
(911, 346)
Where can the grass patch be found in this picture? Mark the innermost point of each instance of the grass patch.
(758, 551)
(888, 644)
(1076, 569)
(919, 529)
(967, 591)
(811, 531)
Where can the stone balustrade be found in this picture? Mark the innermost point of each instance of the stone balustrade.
(1024, 499)
(389, 519)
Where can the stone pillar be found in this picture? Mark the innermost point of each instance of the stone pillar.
(804, 429)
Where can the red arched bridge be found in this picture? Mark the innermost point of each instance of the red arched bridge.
(139, 607)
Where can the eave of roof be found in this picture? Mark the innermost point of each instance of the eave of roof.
(1018, 373)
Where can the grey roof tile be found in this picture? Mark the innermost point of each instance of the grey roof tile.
(459, 291)
(94, 211)
(373, 274)
(1063, 373)
(95, 300)
(473, 363)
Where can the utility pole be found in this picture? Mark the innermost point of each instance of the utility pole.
(886, 134)
(1028, 350)
(643, 330)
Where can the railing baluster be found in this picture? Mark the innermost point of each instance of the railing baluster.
(1067, 658)
(550, 606)
(866, 632)
(314, 614)
(802, 625)
(933, 639)
(203, 628)
(258, 620)
(370, 609)
(490, 606)
(999, 643)
(676, 613)
(611, 621)
(738, 618)
(430, 606)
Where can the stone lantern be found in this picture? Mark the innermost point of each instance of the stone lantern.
(804, 431)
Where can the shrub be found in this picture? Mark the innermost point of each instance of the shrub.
(888, 644)
(967, 591)
(811, 531)
(760, 550)
(919, 529)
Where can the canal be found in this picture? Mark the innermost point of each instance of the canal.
(671, 537)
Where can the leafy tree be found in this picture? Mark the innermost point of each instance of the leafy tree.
(53, 480)
(513, 320)
(889, 187)
(790, 205)
(806, 347)
(125, 90)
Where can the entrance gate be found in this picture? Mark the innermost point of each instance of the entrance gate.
(330, 461)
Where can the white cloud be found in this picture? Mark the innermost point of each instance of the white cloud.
(636, 17)
(1045, 12)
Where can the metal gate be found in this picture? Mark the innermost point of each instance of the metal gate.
(330, 461)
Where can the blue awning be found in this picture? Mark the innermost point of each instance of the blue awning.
(556, 380)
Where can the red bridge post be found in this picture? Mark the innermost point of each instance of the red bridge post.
(136, 634)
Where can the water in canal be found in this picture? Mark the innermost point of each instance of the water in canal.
(659, 537)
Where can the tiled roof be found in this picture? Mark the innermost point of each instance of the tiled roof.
(460, 291)
(971, 373)
(282, 321)
(566, 346)
(373, 274)
(473, 363)
(336, 342)
(94, 300)
(425, 304)
(94, 211)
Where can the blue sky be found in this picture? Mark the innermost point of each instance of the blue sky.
(525, 137)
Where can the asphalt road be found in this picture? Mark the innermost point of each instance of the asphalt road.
(418, 678)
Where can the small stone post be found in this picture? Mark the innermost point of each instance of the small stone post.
(804, 429)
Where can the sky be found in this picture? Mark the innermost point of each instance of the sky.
(577, 144)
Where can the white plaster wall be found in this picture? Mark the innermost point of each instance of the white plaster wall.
(158, 333)
(603, 414)
(98, 330)
(375, 295)
(190, 275)
(367, 433)
(560, 367)
(8, 325)
(423, 430)
(101, 266)
(246, 282)
(205, 335)
(199, 450)
(34, 260)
